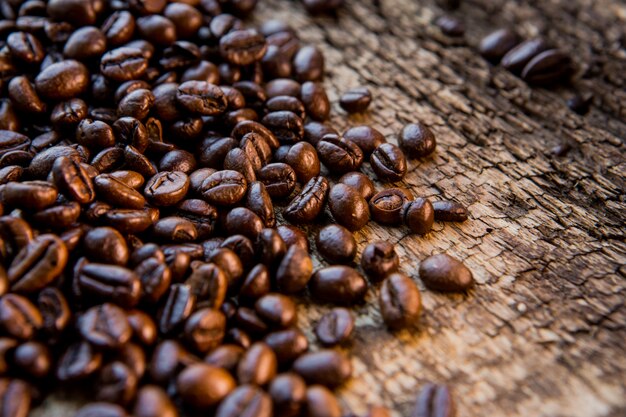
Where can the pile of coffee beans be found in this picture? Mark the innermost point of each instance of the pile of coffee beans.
(156, 160)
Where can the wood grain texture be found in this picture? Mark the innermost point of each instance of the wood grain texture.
(543, 332)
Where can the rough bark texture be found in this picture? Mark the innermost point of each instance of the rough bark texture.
(543, 332)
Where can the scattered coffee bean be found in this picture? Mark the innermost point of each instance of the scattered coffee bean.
(516, 59)
(335, 327)
(548, 67)
(356, 100)
(399, 300)
(338, 284)
(257, 366)
(419, 215)
(417, 140)
(348, 207)
(288, 393)
(495, 45)
(320, 402)
(246, 400)
(379, 259)
(434, 400)
(307, 205)
(449, 211)
(388, 162)
(444, 273)
(336, 244)
(387, 206)
(326, 367)
(339, 155)
(201, 386)
(451, 26)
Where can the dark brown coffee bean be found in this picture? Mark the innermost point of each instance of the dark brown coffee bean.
(320, 401)
(143, 327)
(256, 284)
(16, 234)
(548, 67)
(167, 188)
(294, 271)
(19, 318)
(246, 400)
(248, 126)
(580, 104)
(237, 160)
(243, 47)
(275, 63)
(55, 311)
(117, 193)
(288, 392)
(157, 29)
(101, 409)
(67, 115)
(38, 264)
(417, 140)
(33, 358)
(85, 43)
(24, 97)
(25, 47)
(338, 284)
(228, 261)
(118, 28)
(286, 103)
(288, 344)
(308, 64)
(137, 104)
(58, 217)
(167, 360)
(123, 64)
(204, 329)
(348, 207)
(444, 273)
(15, 398)
(449, 211)
(286, 126)
(225, 356)
(387, 205)
(336, 244)
(270, 247)
(356, 100)
(400, 301)
(315, 131)
(315, 100)
(279, 179)
(106, 245)
(153, 401)
(247, 319)
(327, 367)
(360, 182)
(434, 401)
(224, 188)
(516, 59)
(127, 221)
(379, 259)
(335, 327)
(185, 17)
(292, 236)
(32, 195)
(79, 361)
(243, 248)
(209, 284)
(339, 155)
(277, 309)
(105, 326)
(282, 87)
(451, 26)
(419, 215)
(257, 366)
(258, 200)
(177, 308)
(202, 386)
(94, 134)
(72, 179)
(388, 162)
(495, 45)
(117, 383)
(309, 203)
(242, 221)
(107, 283)
(201, 97)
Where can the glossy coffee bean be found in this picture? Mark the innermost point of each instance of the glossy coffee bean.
(107, 283)
(548, 67)
(308, 64)
(143, 327)
(167, 188)
(315, 100)
(34, 195)
(286, 103)
(516, 59)
(336, 244)
(285, 125)
(292, 236)
(178, 307)
(257, 366)
(348, 207)
(107, 245)
(243, 47)
(279, 179)
(309, 203)
(288, 393)
(256, 283)
(225, 356)
(449, 211)
(33, 358)
(224, 188)
(258, 200)
(417, 140)
(37, 264)
(117, 193)
(62, 80)
(85, 43)
(419, 215)
(201, 386)
(118, 28)
(327, 367)
(123, 64)
(495, 45)
(294, 271)
(246, 400)
(356, 100)
(388, 162)
(434, 400)
(444, 273)
(201, 97)
(360, 182)
(379, 259)
(79, 361)
(288, 344)
(386, 207)
(19, 318)
(204, 330)
(338, 284)
(335, 327)
(277, 310)
(117, 383)
(105, 326)
(399, 301)
(339, 155)
(153, 401)
(72, 179)
(315, 131)
(55, 311)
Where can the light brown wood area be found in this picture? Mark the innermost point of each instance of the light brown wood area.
(543, 333)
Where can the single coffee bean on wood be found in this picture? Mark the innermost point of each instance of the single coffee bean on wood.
(335, 327)
(379, 259)
(356, 100)
(434, 400)
(336, 244)
(444, 273)
(417, 140)
(449, 211)
(400, 302)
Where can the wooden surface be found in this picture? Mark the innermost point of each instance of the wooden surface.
(543, 333)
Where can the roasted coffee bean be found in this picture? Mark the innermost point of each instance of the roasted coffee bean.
(243, 47)
(13, 141)
(451, 26)
(348, 207)
(360, 182)
(85, 43)
(320, 402)
(253, 93)
(188, 129)
(248, 126)
(25, 47)
(201, 97)
(107, 283)
(186, 18)
(106, 245)
(283, 87)
(237, 160)
(336, 244)
(15, 398)
(55, 311)
(105, 326)
(338, 285)
(166, 103)
(19, 318)
(516, 59)
(16, 234)
(379, 259)
(130, 131)
(288, 393)
(123, 64)
(294, 271)
(143, 327)
(24, 97)
(79, 361)
(279, 179)
(249, 321)
(72, 179)
(209, 284)
(67, 115)
(127, 221)
(400, 302)
(335, 327)
(276, 309)
(228, 261)
(131, 178)
(308, 64)
(449, 211)
(356, 100)
(315, 131)
(57, 217)
(548, 67)
(204, 329)
(257, 366)
(387, 206)
(37, 264)
(495, 45)
(315, 100)
(243, 221)
(238, 337)
(177, 308)
(167, 360)
(388, 162)
(10, 173)
(246, 400)
(339, 155)
(118, 28)
(309, 203)
(102, 409)
(256, 283)
(258, 200)
(275, 64)
(32, 195)
(242, 247)
(285, 125)
(303, 159)
(224, 188)
(292, 236)
(419, 215)
(41, 164)
(117, 383)
(153, 401)
(137, 104)
(444, 273)
(167, 188)
(213, 151)
(288, 344)
(117, 193)
(270, 247)
(94, 134)
(256, 149)
(327, 367)
(201, 386)
(434, 400)
(225, 356)
(33, 358)
(156, 29)
(286, 103)
(417, 140)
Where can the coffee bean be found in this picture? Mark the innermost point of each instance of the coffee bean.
(79, 361)
(153, 401)
(72, 179)
(167, 360)
(309, 203)
(201, 97)
(338, 284)
(294, 271)
(292, 236)
(257, 366)
(256, 149)
(38, 264)
(243, 47)
(55, 311)
(204, 329)
(580, 104)
(224, 188)
(237, 160)
(118, 28)
(143, 327)
(286, 103)
(228, 261)
(387, 206)
(105, 326)
(19, 318)
(451, 26)
(495, 45)
(339, 155)
(417, 140)
(336, 244)
(202, 386)
(335, 327)
(155, 277)
(356, 100)
(247, 319)
(115, 192)
(85, 43)
(243, 248)
(516, 59)
(94, 134)
(137, 104)
(315, 100)
(209, 284)
(178, 307)
(315, 131)
(167, 188)
(276, 309)
(15, 397)
(225, 356)
(33, 195)
(388, 163)
(348, 207)
(101, 409)
(444, 273)
(360, 182)
(258, 200)
(288, 344)
(107, 283)
(419, 215)
(400, 302)
(107, 245)
(308, 64)
(248, 126)
(23, 95)
(127, 221)
(286, 126)
(25, 47)
(548, 67)
(288, 392)
(449, 211)
(256, 284)
(326, 367)
(279, 179)
(33, 358)
(270, 247)
(246, 400)
(379, 259)
(434, 401)
(157, 29)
